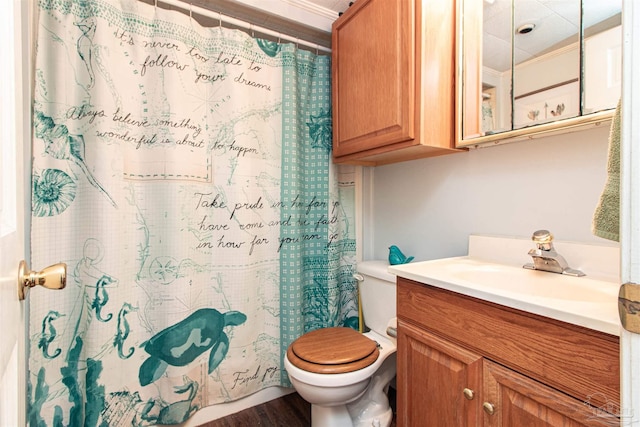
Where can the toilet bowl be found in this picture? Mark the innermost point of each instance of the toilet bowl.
(344, 374)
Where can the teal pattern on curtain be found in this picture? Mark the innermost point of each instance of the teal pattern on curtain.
(317, 265)
(184, 176)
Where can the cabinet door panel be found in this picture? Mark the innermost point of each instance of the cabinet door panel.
(521, 401)
(433, 375)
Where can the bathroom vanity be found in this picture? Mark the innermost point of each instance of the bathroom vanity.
(486, 344)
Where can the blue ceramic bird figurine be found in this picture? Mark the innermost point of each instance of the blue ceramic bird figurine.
(397, 257)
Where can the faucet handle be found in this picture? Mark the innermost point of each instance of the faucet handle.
(542, 236)
(543, 239)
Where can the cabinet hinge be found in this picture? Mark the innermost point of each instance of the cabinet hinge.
(629, 307)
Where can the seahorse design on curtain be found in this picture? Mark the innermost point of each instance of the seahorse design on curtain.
(49, 334)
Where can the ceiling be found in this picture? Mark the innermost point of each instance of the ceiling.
(555, 22)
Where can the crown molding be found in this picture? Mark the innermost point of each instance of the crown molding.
(301, 11)
(298, 18)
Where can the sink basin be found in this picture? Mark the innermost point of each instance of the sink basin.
(532, 283)
(582, 300)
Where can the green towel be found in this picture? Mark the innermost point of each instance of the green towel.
(606, 218)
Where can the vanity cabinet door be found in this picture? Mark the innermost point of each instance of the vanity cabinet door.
(438, 383)
(512, 399)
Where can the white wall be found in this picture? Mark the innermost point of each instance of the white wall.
(429, 207)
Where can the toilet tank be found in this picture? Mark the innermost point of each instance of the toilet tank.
(377, 294)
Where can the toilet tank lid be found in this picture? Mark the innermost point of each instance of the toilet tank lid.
(377, 269)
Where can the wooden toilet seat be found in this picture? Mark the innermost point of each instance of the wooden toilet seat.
(332, 351)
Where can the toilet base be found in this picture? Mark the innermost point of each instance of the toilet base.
(382, 420)
(330, 416)
(338, 416)
(370, 409)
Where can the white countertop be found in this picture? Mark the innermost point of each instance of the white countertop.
(584, 301)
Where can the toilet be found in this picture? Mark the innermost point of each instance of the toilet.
(343, 373)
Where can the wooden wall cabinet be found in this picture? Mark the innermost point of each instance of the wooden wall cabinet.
(393, 80)
(463, 362)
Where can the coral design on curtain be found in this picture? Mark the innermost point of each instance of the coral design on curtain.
(183, 174)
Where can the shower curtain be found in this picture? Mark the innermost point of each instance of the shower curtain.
(184, 176)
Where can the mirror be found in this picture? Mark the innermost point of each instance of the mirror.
(529, 67)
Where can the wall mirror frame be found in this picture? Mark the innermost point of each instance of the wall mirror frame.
(518, 96)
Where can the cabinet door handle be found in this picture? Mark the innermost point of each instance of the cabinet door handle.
(468, 393)
(488, 408)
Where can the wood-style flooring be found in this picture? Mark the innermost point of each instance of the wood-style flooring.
(288, 411)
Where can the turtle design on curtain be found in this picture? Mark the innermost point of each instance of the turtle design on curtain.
(184, 175)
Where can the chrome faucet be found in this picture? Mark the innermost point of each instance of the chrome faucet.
(545, 257)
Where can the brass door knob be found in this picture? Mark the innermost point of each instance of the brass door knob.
(52, 277)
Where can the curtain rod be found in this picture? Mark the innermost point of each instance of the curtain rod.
(239, 23)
